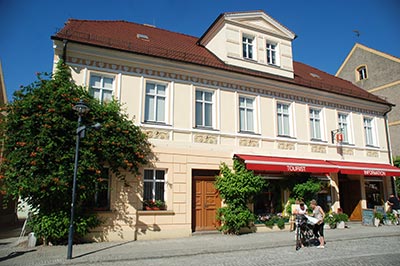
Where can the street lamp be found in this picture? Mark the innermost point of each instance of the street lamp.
(81, 108)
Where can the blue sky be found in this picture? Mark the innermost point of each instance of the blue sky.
(324, 27)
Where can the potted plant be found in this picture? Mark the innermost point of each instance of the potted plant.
(330, 220)
(341, 219)
(391, 218)
(154, 205)
(378, 218)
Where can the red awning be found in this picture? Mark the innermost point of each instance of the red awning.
(285, 164)
(367, 169)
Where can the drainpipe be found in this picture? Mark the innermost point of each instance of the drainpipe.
(64, 54)
(389, 148)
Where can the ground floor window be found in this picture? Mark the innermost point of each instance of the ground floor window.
(100, 199)
(154, 188)
(374, 193)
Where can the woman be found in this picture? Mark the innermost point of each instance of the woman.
(319, 214)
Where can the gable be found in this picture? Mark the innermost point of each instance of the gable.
(260, 21)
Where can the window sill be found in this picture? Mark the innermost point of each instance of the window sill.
(286, 137)
(249, 133)
(372, 147)
(158, 212)
(318, 140)
(205, 128)
(156, 123)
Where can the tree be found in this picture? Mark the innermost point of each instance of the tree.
(40, 131)
(237, 188)
(397, 180)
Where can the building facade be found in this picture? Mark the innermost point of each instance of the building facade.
(377, 73)
(233, 92)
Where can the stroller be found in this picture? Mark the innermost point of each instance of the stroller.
(304, 232)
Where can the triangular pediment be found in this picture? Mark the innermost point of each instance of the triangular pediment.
(260, 21)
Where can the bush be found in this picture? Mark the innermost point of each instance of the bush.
(237, 188)
(54, 228)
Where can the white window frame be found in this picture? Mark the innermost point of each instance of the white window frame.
(153, 182)
(156, 96)
(247, 45)
(370, 137)
(272, 52)
(101, 88)
(204, 103)
(280, 118)
(312, 120)
(244, 126)
(344, 125)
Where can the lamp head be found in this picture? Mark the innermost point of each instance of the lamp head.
(81, 107)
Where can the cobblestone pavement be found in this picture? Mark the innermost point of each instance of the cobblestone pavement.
(358, 245)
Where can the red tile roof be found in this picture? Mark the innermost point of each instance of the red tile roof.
(123, 35)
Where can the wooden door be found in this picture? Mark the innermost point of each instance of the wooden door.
(206, 202)
(350, 198)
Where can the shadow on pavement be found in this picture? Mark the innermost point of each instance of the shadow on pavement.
(102, 249)
(15, 254)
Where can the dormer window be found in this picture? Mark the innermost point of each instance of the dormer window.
(272, 53)
(248, 47)
(361, 73)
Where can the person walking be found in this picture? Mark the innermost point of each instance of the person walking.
(319, 214)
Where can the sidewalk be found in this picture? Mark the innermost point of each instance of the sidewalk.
(10, 254)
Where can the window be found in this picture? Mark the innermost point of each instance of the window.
(155, 102)
(246, 114)
(101, 88)
(248, 47)
(271, 53)
(369, 132)
(362, 72)
(283, 116)
(315, 123)
(204, 108)
(154, 184)
(100, 199)
(344, 125)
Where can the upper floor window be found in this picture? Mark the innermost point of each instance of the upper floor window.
(271, 53)
(283, 117)
(315, 123)
(101, 88)
(155, 102)
(154, 184)
(246, 114)
(343, 123)
(362, 73)
(248, 47)
(369, 131)
(204, 108)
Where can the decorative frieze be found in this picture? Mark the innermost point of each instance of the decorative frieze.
(318, 148)
(372, 154)
(286, 146)
(217, 83)
(205, 138)
(347, 151)
(157, 134)
(248, 142)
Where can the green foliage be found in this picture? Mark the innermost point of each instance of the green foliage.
(334, 218)
(40, 130)
(379, 216)
(233, 219)
(237, 188)
(391, 217)
(306, 190)
(281, 223)
(54, 227)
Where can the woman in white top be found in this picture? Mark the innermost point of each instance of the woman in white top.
(319, 214)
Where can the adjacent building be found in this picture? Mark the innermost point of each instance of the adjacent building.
(377, 73)
(235, 92)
